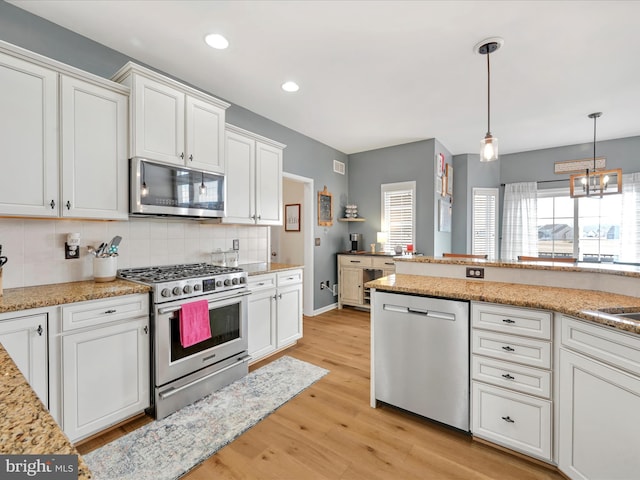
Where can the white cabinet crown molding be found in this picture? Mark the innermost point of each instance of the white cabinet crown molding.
(60, 67)
(254, 136)
(133, 68)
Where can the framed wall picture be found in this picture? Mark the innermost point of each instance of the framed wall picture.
(449, 189)
(440, 164)
(325, 208)
(292, 217)
(444, 216)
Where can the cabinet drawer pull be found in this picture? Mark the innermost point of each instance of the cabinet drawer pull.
(291, 278)
(39, 330)
(182, 155)
(507, 348)
(354, 261)
(110, 311)
(508, 419)
(191, 157)
(508, 377)
(508, 320)
(260, 284)
(68, 205)
(53, 204)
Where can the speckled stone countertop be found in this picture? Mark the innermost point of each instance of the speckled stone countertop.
(38, 296)
(368, 254)
(263, 267)
(26, 427)
(608, 268)
(585, 304)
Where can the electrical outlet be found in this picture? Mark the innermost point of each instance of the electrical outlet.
(474, 272)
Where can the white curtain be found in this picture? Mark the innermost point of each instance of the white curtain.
(519, 221)
(630, 227)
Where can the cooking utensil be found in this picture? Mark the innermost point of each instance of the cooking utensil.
(113, 246)
(3, 261)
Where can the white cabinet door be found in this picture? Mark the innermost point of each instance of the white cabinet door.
(241, 178)
(105, 376)
(28, 138)
(94, 151)
(262, 323)
(599, 410)
(289, 323)
(268, 185)
(205, 136)
(25, 339)
(158, 121)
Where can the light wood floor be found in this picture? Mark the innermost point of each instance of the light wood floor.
(330, 432)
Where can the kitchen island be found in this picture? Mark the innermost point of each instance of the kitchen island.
(552, 347)
(26, 427)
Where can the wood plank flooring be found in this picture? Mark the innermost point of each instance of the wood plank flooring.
(329, 431)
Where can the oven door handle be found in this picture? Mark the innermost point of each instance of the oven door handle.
(165, 310)
(173, 391)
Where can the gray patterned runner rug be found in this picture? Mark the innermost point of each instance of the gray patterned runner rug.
(167, 449)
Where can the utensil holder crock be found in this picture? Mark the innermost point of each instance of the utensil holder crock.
(104, 268)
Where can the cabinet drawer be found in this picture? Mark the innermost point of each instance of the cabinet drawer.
(383, 263)
(512, 419)
(616, 348)
(355, 261)
(518, 321)
(528, 351)
(261, 282)
(97, 312)
(289, 277)
(521, 378)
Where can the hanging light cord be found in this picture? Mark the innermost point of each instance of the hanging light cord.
(595, 118)
(488, 91)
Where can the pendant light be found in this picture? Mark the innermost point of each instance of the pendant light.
(489, 144)
(203, 188)
(595, 182)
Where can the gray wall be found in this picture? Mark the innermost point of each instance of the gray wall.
(303, 155)
(400, 163)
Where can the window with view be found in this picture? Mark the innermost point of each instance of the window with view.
(398, 207)
(587, 228)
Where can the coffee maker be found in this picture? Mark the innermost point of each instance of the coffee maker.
(356, 242)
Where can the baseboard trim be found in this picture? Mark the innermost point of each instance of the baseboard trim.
(326, 309)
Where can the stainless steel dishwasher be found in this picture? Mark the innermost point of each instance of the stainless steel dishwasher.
(420, 356)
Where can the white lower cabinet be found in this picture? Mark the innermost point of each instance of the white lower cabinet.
(599, 403)
(275, 312)
(24, 337)
(512, 419)
(511, 371)
(105, 363)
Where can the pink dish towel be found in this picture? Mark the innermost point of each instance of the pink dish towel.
(194, 323)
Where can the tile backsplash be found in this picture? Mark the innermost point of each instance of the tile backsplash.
(35, 248)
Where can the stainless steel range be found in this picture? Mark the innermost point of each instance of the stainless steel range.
(182, 375)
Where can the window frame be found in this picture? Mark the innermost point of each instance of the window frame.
(384, 227)
(485, 191)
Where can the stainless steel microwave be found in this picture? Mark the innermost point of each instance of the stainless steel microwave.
(173, 190)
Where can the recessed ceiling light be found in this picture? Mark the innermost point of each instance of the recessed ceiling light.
(290, 87)
(215, 40)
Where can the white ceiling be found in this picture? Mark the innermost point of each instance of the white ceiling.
(381, 73)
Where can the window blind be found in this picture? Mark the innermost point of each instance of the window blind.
(398, 214)
(484, 216)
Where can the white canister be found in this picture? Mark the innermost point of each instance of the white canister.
(104, 268)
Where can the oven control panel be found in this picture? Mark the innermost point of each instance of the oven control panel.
(195, 287)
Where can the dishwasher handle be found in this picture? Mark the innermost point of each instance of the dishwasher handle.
(418, 311)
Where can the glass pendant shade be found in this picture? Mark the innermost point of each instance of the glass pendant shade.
(488, 148)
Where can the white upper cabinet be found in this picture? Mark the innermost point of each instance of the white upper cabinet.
(29, 138)
(94, 151)
(173, 123)
(254, 178)
(65, 133)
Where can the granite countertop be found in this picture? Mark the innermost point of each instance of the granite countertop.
(368, 253)
(584, 304)
(263, 267)
(26, 427)
(608, 268)
(15, 299)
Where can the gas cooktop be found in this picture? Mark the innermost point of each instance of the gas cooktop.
(167, 273)
(176, 282)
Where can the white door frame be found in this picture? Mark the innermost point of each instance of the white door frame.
(307, 235)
